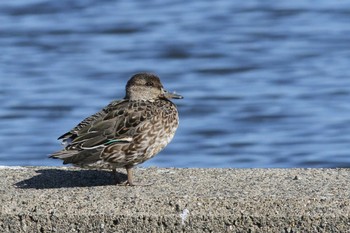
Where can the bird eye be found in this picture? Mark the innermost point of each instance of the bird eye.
(149, 84)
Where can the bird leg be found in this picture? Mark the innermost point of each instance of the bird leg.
(116, 176)
(129, 173)
(129, 181)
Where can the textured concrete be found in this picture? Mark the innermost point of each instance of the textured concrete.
(57, 199)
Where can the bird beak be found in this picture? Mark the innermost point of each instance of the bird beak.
(172, 95)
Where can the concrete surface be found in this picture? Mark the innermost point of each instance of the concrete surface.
(61, 199)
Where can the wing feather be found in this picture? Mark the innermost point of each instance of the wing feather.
(116, 123)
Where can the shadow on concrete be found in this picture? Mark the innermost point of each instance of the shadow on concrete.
(56, 178)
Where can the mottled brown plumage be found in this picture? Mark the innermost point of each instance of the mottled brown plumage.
(126, 132)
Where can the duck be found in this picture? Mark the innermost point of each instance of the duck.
(126, 132)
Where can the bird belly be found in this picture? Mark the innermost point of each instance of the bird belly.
(144, 147)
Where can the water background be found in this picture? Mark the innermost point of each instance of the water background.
(266, 83)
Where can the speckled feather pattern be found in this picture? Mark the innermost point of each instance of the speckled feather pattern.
(123, 134)
(153, 125)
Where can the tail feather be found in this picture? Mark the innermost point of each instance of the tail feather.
(63, 154)
(76, 157)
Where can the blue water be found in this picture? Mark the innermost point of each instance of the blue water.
(266, 83)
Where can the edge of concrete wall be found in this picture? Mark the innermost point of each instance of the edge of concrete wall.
(65, 199)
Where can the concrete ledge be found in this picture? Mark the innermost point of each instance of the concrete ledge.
(58, 199)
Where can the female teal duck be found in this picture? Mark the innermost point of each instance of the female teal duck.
(126, 132)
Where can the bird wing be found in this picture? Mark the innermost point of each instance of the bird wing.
(116, 123)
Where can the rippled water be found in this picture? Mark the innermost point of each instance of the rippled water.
(266, 83)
